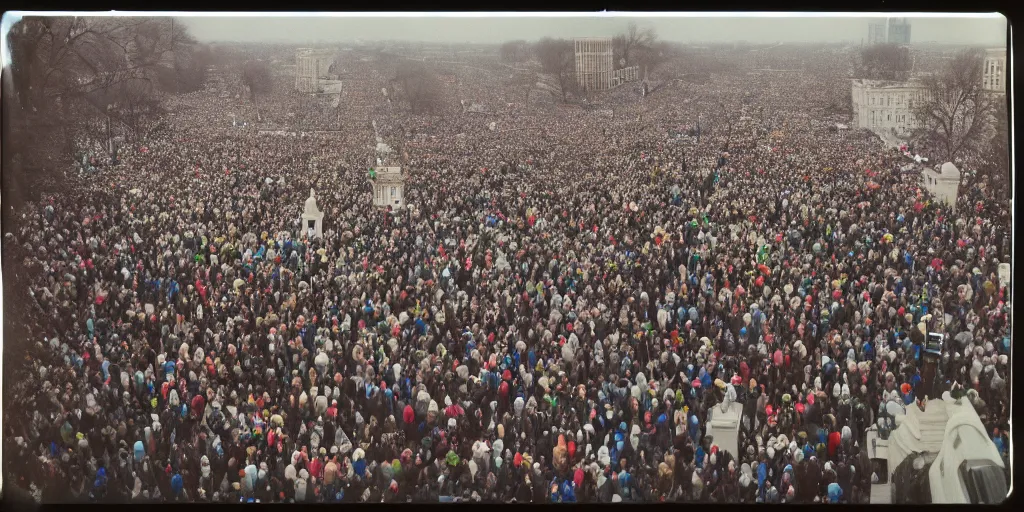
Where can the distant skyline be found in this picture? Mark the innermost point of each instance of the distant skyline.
(989, 31)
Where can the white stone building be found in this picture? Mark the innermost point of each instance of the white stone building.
(944, 184)
(994, 78)
(889, 30)
(876, 31)
(312, 218)
(594, 66)
(389, 187)
(311, 66)
(898, 31)
(886, 107)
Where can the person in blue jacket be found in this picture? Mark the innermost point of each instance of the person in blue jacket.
(835, 493)
(177, 484)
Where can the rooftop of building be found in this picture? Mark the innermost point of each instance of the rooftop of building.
(887, 84)
(314, 51)
(390, 179)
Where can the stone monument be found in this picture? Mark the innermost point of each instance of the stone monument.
(943, 185)
(389, 187)
(312, 218)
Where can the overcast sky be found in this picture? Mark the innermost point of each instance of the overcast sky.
(430, 28)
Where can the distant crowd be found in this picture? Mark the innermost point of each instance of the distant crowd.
(551, 318)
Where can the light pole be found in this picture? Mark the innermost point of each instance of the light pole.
(698, 127)
(110, 143)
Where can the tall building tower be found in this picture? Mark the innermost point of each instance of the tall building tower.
(310, 66)
(899, 31)
(307, 73)
(876, 32)
(994, 77)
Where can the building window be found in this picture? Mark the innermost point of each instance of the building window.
(392, 191)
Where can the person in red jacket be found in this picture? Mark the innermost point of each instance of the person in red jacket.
(834, 439)
(198, 406)
(316, 466)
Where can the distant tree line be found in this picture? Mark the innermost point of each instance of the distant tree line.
(884, 62)
(419, 86)
(514, 51)
(557, 57)
(635, 47)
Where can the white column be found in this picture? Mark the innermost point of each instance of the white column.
(576, 58)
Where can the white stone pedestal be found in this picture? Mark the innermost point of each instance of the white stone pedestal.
(312, 218)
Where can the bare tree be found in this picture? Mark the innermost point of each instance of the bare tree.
(513, 51)
(556, 57)
(188, 71)
(256, 75)
(624, 46)
(997, 154)
(65, 72)
(420, 86)
(132, 105)
(64, 56)
(883, 62)
(954, 111)
(650, 58)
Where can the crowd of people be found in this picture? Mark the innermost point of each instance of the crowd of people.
(550, 319)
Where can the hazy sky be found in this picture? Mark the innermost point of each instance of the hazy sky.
(983, 31)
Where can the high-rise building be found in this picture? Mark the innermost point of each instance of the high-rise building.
(994, 77)
(594, 66)
(876, 32)
(310, 66)
(889, 30)
(899, 31)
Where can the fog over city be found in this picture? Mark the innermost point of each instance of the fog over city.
(431, 28)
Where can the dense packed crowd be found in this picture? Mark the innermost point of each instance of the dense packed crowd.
(549, 320)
